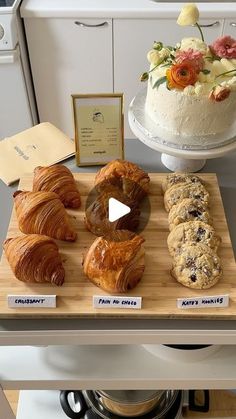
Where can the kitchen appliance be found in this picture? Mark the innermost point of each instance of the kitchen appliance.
(17, 104)
(90, 404)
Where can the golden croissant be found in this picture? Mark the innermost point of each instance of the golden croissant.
(97, 214)
(43, 213)
(34, 258)
(115, 263)
(60, 180)
(131, 178)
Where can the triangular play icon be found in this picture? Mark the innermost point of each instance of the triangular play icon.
(116, 209)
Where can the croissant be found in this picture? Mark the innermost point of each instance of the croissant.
(130, 177)
(43, 213)
(115, 263)
(60, 180)
(97, 214)
(34, 258)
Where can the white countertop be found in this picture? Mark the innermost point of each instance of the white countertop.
(119, 9)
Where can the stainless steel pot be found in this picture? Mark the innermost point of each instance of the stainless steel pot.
(88, 404)
(119, 402)
(131, 402)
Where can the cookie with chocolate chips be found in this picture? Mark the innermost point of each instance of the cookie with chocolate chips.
(197, 266)
(188, 209)
(179, 192)
(174, 179)
(192, 232)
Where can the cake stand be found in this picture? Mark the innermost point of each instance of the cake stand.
(188, 154)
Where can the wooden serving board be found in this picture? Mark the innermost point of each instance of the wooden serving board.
(158, 289)
(222, 405)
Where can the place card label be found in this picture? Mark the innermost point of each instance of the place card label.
(25, 301)
(104, 301)
(204, 302)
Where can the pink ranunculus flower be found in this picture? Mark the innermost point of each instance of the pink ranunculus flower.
(192, 56)
(219, 93)
(224, 47)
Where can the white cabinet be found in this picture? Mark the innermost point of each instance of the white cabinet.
(68, 56)
(133, 38)
(230, 27)
(80, 55)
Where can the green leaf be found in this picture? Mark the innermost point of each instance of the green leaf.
(159, 81)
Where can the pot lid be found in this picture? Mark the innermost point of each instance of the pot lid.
(130, 396)
(160, 411)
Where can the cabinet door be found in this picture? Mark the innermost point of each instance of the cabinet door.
(133, 38)
(230, 27)
(68, 56)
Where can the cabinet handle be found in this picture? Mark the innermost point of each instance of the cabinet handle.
(210, 25)
(86, 25)
(233, 24)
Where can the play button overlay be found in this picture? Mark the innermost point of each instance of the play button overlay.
(112, 206)
(116, 209)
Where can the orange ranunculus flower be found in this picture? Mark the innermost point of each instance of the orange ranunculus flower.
(181, 75)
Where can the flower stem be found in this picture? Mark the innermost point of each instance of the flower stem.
(200, 30)
(226, 72)
(154, 68)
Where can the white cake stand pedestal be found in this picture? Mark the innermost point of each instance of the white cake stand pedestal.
(185, 158)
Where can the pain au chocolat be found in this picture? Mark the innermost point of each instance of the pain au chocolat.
(97, 213)
(133, 180)
(115, 263)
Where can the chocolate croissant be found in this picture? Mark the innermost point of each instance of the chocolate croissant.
(34, 258)
(131, 178)
(115, 263)
(97, 214)
(43, 213)
(60, 180)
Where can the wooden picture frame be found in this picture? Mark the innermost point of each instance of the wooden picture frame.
(99, 128)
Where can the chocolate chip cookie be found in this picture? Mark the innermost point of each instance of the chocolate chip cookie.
(192, 232)
(178, 192)
(197, 266)
(177, 178)
(188, 209)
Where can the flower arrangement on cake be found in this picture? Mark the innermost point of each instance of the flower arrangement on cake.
(192, 75)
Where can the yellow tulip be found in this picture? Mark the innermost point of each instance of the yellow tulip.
(189, 15)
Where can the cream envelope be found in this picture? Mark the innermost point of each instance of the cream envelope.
(42, 145)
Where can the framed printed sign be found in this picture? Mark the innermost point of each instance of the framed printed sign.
(99, 128)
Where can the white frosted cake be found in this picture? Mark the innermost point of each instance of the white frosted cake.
(192, 86)
(189, 114)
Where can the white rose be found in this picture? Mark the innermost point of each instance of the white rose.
(189, 90)
(195, 43)
(153, 57)
(156, 57)
(189, 15)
